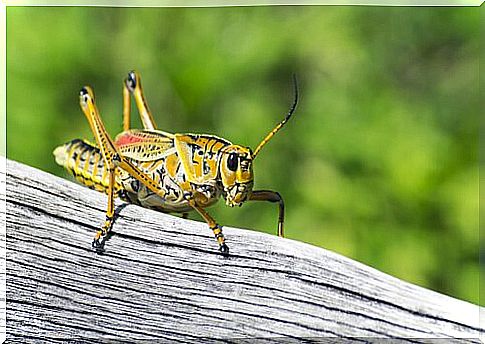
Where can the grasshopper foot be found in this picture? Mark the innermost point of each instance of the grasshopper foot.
(217, 229)
(224, 249)
(99, 240)
(98, 244)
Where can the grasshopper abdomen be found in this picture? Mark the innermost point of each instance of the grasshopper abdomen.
(85, 161)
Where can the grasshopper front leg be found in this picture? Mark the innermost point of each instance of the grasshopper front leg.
(272, 196)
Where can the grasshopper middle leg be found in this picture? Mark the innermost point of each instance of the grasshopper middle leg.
(213, 225)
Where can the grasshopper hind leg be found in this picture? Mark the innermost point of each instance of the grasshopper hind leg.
(113, 160)
(102, 234)
(132, 86)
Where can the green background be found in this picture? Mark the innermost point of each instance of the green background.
(379, 163)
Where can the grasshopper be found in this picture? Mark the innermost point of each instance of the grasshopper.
(160, 170)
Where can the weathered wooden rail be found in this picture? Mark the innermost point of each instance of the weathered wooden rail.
(161, 278)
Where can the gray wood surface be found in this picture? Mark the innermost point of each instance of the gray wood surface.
(162, 278)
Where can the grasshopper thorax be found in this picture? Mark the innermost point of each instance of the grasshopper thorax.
(236, 172)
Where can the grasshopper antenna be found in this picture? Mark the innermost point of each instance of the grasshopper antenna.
(283, 122)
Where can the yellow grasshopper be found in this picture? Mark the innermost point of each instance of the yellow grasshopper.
(163, 171)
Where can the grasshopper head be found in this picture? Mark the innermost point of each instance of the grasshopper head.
(236, 171)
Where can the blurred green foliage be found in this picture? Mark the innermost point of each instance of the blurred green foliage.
(379, 162)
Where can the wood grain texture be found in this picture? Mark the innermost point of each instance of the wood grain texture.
(162, 278)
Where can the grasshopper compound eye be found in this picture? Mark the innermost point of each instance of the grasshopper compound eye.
(232, 162)
(131, 81)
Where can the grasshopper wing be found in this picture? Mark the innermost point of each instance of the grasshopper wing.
(145, 145)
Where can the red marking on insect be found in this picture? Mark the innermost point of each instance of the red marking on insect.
(127, 139)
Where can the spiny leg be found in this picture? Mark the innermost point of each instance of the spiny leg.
(132, 85)
(216, 229)
(271, 196)
(112, 158)
(101, 234)
(108, 150)
(126, 107)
